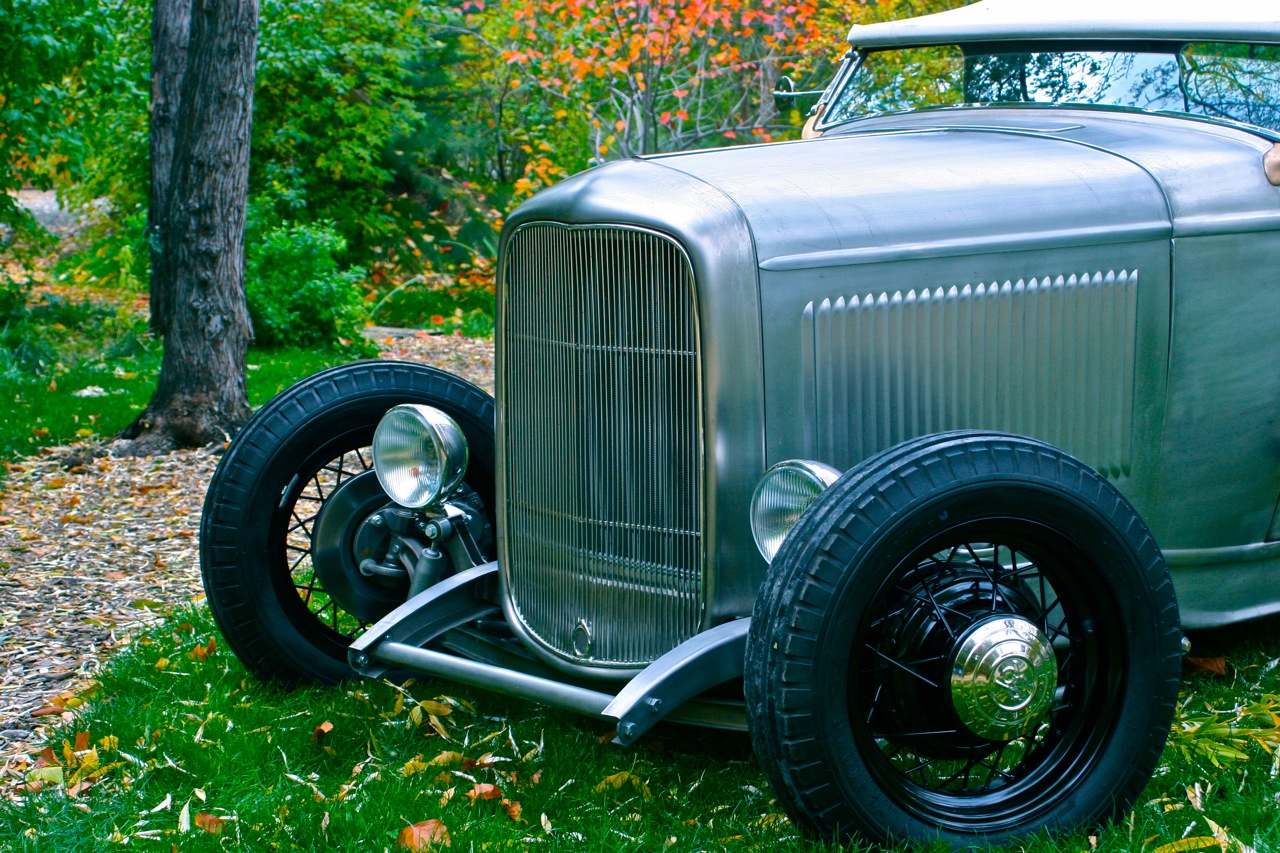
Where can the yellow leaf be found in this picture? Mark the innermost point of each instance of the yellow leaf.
(439, 727)
(1200, 842)
(624, 777)
(414, 765)
(439, 709)
(163, 663)
(46, 774)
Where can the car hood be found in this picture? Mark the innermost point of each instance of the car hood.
(951, 182)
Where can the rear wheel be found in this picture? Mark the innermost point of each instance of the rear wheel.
(968, 637)
(290, 513)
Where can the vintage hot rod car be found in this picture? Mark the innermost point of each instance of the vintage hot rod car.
(892, 445)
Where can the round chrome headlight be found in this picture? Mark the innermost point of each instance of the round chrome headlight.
(419, 454)
(782, 495)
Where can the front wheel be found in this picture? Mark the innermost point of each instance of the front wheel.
(290, 512)
(971, 637)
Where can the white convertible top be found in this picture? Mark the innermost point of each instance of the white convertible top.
(1006, 20)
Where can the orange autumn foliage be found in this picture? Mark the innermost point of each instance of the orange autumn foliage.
(665, 75)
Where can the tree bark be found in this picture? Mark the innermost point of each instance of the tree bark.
(205, 322)
(170, 29)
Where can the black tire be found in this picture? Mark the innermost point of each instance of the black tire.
(862, 621)
(259, 512)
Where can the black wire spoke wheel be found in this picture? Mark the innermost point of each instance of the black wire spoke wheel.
(291, 510)
(971, 678)
(969, 637)
(297, 548)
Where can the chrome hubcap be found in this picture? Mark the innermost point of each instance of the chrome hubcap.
(1003, 677)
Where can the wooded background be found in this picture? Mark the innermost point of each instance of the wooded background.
(387, 139)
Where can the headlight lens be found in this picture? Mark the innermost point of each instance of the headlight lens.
(782, 495)
(419, 454)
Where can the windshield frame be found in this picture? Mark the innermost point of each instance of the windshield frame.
(855, 58)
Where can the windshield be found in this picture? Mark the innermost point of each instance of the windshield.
(1237, 82)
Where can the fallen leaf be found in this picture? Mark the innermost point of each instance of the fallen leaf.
(624, 777)
(322, 730)
(82, 741)
(438, 708)
(81, 787)
(1212, 666)
(52, 774)
(484, 791)
(201, 652)
(439, 727)
(211, 824)
(767, 821)
(1196, 797)
(512, 809)
(414, 765)
(1200, 842)
(424, 835)
(486, 760)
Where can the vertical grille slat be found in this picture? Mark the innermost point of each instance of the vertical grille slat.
(602, 442)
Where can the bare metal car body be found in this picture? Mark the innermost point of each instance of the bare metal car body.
(1103, 281)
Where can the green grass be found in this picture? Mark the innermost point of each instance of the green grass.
(206, 737)
(80, 372)
(250, 749)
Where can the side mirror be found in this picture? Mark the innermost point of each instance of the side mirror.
(784, 96)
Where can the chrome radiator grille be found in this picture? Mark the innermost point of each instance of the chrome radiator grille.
(602, 442)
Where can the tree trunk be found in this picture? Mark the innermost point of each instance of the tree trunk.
(170, 29)
(200, 397)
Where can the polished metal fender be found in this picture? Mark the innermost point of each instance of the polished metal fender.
(439, 608)
(663, 690)
(701, 662)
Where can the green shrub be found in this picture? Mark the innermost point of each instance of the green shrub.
(115, 253)
(298, 295)
(13, 298)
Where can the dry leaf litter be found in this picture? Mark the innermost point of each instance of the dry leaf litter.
(91, 555)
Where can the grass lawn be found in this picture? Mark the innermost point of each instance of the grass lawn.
(96, 397)
(181, 749)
